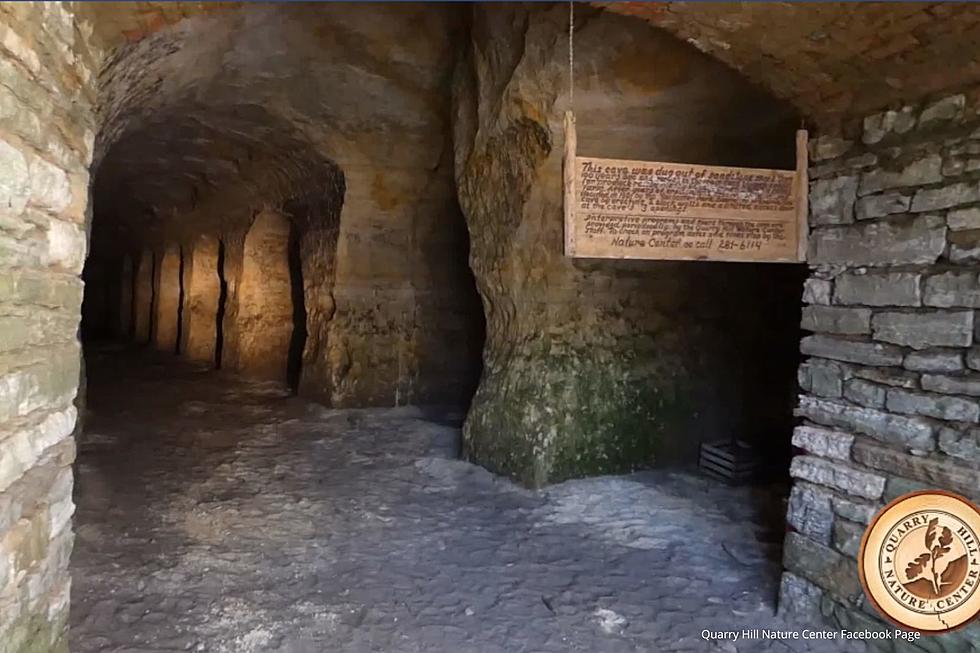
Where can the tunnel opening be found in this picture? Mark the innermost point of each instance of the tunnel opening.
(267, 245)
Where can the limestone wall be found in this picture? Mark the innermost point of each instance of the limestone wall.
(46, 137)
(890, 397)
(202, 295)
(143, 296)
(265, 313)
(232, 272)
(167, 297)
(124, 317)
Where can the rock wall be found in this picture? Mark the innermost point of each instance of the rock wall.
(323, 365)
(366, 181)
(46, 134)
(143, 296)
(892, 376)
(202, 296)
(603, 366)
(167, 297)
(399, 258)
(231, 272)
(124, 318)
(264, 296)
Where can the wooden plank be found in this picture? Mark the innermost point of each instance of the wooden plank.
(626, 209)
(802, 193)
(569, 180)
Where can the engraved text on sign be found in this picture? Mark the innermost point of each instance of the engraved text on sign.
(651, 210)
(657, 210)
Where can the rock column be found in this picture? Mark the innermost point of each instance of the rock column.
(167, 300)
(143, 297)
(201, 301)
(603, 366)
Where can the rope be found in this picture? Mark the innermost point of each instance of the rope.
(571, 54)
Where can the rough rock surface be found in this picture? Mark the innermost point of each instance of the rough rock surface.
(202, 283)
(167, 298)
(46, 133)
(143, 297)
(223, 115)
(858, 57)
(598, 366)
(256, 523)
(263, 301)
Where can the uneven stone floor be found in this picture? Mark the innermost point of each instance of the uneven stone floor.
(220, 515)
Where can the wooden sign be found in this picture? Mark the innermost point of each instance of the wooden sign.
(647, 210)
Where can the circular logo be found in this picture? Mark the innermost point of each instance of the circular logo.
(920, 561)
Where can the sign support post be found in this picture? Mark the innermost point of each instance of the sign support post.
(569, 178)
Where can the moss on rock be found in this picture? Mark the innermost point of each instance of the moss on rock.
(556, 412)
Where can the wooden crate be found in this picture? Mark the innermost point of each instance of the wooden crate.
(730, 462)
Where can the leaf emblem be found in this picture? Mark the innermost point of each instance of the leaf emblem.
(915, 567)
(944, 544)
(931, 532)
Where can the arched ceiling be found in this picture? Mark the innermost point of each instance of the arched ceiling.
(264, 102)
(833, 60)
(271, 98)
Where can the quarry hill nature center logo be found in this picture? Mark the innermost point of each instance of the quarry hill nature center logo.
(920, 561)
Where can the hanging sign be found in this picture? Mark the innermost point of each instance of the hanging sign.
(670, 211)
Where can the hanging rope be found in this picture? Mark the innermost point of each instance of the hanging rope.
(571, 54)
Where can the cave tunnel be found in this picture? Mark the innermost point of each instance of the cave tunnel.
(328, 328)
(281, 234)
(288, 249)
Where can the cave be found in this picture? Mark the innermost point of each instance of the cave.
(294, 356)
(270, 248)
(345, 259)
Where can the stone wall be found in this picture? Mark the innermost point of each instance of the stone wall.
(265, 311)
(603, 366)
(124, 319)
(891, 384)
(202, 295)
(46, 134)
(143, 296)
(166, 299)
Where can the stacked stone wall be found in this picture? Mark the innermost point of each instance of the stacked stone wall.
(46, 139)
(890, 385)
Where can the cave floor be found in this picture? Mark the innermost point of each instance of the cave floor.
(221, 515)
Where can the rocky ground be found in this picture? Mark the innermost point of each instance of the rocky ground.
(221, 515)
